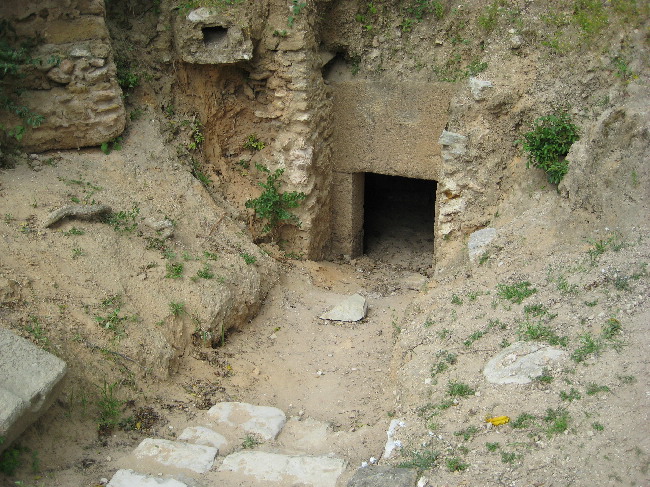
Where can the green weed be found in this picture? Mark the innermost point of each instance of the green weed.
(524, 420)
(250, 442)
(253, 143)
(588, 346)
(572, 395)
(109, 408)
(174, 270)
(205, 272)
(421, 460)
(447, 359)
(557, 421)
(537, 331)
(74, 231)
(124, 221)
(248, 258)
(273, 206)
(458, 389)
(77, 252)
(515, 293)
(611, 329)
(593, 389)
(549, 142)
(508, 457)
(177, 309)
(597, 426)
(473, 337)
(467, 433)
(455, 464)
(111, 145)
(455, 299)
(37, 331)
(492, 447)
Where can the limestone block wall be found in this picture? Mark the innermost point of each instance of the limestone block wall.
(74, 85)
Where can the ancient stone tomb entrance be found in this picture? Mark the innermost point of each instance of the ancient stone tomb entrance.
(386, 161)
(398, 220)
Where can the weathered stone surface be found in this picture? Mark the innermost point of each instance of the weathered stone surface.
(415, 281)
(200, 435)
(353, 308)
(521, 362)
(380, 476)
(453, 144)
(176, 454)
(479, 240)
(306, 435)
(129, 478)
(29, 377)
(211, 36)
(478, 87)
(264, 421)
(318, 471)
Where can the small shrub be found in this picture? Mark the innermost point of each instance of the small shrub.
(549, 142)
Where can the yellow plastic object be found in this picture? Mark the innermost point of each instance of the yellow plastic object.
(498, 420)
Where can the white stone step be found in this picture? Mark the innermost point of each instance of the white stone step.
(176, 454)
(305, 470)
(129, 478)
(238, 417)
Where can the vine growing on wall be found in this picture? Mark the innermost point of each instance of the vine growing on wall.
(13, 56)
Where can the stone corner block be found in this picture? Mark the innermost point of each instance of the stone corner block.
(354, 308)
(30, 380)
(383, 476)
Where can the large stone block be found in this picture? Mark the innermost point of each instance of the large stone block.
(29, 380)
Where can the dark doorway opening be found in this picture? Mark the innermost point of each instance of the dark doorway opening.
(399, 215)
(214, 36)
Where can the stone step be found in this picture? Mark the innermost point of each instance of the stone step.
(172, 456)
(235, 419)
(30, 379)
(129, 478)
(265, 467)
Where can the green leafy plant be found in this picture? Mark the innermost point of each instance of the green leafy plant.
(467, 433)
(10, 459)
(537, 331)
(250, 442)
(253, 143)
(557, 420)
(572, 395)
(588, 346)
(272, 205)
(524, 420)
(205, 272)
(296, 8)
(492, 447)
(549, 142)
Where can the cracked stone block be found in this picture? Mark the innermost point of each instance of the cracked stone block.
(30, 380)
(317, 471)
(264, 421)
(176, 454)
(372, 476)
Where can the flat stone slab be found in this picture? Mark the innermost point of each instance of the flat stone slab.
(264, 421)
(353, 308)
(29, 383)
(478, 240)
(317, 471)
(200, 435)
(521, 362)
(129, 478)
(373, 476)
(177, 454)
(306, 435)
